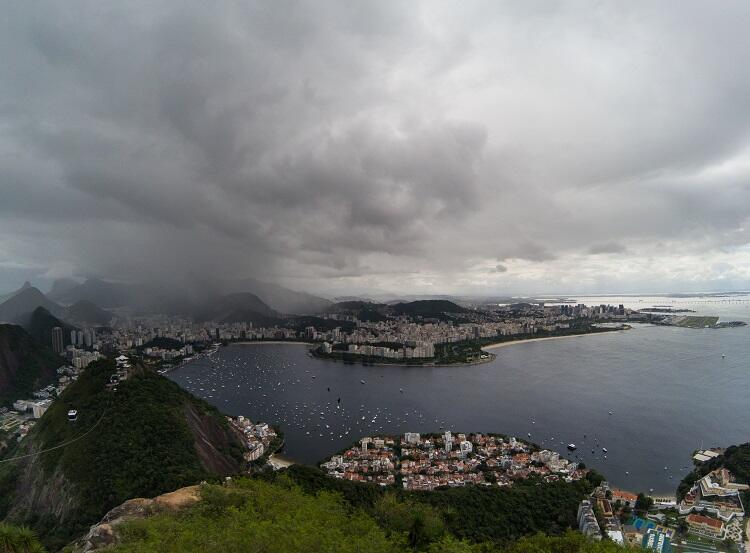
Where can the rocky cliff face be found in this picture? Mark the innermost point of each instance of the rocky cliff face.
(51, 494)
(106, 532)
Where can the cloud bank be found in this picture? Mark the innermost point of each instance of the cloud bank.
(351, 147)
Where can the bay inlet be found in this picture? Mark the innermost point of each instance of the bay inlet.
(668, 389)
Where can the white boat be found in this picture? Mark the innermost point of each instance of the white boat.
(572, 447)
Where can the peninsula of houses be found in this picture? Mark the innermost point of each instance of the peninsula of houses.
(418, 462)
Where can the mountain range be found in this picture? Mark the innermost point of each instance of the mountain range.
(371, 311)
(81, 303)
(166, 299)
(21, 304)
(239, 307)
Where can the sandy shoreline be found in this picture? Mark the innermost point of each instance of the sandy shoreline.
(279, 461)
(515, 342)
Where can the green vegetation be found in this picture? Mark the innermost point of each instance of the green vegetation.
(692, 321)
(474, 513)
(500, 515)
(642, 505)
(570, 542)
(144, 442)
(14, 539)
(279, 517)
(25, 364)
(258, 516)
(321, 325)
(458, 352)
(427, 308)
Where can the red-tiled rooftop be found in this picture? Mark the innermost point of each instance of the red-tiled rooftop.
(700, 519)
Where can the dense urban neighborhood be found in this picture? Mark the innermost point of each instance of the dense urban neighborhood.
(259, 438)
(419, 462)
(710, 517)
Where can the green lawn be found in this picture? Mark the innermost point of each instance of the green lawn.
(690, 321)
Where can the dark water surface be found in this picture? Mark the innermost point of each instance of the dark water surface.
(669, 390)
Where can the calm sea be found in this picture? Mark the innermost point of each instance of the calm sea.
(669, 391)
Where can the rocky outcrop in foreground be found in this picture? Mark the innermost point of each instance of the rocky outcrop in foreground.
(105, 533)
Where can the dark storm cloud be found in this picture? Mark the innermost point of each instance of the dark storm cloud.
(373, 145)
(607, 247)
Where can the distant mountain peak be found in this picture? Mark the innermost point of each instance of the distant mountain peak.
(18, 308)
(85, 311)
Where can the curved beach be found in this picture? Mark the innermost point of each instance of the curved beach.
(526, 341)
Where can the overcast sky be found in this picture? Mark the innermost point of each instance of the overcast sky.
(421, 147)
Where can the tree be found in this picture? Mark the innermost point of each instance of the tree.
(643, 504)
(570, 542)
(451, 545)
(683, 527)
(419, 522)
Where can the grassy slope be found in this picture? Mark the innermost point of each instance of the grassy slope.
(281, 518)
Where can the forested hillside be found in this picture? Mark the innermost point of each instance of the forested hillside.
(147, 437)
(25, 364)
(475, 513)
(252, 515)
